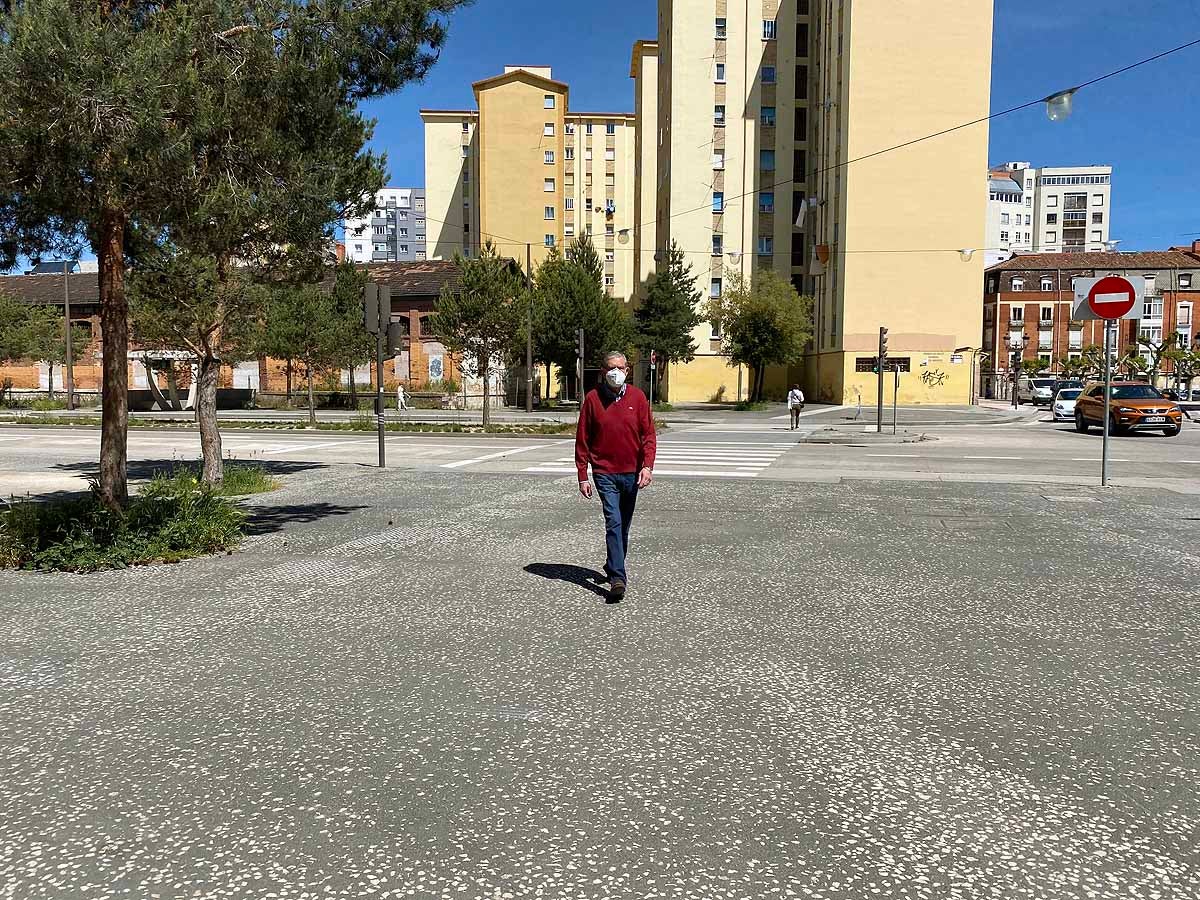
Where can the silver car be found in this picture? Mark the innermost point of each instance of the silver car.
(1064, 404)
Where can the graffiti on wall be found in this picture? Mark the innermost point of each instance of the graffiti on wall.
(933, 378)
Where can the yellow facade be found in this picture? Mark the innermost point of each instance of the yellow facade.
(525, 169)
(764, 110)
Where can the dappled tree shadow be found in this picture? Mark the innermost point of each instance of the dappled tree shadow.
(139, 469)
(577, 575)
(265, 519)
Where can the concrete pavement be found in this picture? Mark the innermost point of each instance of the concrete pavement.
(410, 687)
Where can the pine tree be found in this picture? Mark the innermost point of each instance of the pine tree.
(120, 121)
(668, 315)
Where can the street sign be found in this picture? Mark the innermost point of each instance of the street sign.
(1110, 297)
(653, 359)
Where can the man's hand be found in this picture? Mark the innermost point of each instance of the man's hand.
(585, 488)
(645, 477)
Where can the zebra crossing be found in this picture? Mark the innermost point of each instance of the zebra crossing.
(708, 459)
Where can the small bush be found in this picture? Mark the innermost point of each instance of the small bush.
(173, 518)
(242, 480)
(444, 386)
(663, 407)
(750, 406)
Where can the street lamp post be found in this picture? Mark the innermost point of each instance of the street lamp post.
(1018, 351)
(70, 374)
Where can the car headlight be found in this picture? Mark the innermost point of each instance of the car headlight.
(1126, 409)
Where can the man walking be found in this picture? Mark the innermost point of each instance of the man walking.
(616, 437)
(795, 405)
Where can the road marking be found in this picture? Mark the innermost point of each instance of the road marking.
(816, 412)
(1096, 459)
(898, 456)
(992, 457)
(479, 459)
(299, 445)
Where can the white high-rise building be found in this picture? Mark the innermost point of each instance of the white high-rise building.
(1056, 209)
(394, 232)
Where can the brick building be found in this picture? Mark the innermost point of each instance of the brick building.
(415, 289)
(1032, 295)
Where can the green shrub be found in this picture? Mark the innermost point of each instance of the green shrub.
(444, 386)
(750, 405)
(173, 518)
(663, 407)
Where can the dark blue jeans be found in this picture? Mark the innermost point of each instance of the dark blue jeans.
(618, 496)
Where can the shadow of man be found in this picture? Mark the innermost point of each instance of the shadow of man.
(577, 575)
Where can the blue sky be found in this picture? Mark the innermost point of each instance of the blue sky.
(1146, 124)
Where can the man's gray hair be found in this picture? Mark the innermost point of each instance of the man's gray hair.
(614, 354)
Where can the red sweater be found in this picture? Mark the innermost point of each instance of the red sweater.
(616, 438)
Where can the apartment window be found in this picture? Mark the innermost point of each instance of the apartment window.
(1097, 235)
(610, 127)
(466, 130)
(610, 154)
(1051, 237)
(403, 248)
(766, 201)
(568, 152)
(1028, 220)
(1149, 280)
(1047, 313)
(720, 31)
(549, 157)
(720, 79)
(466, 176)
(548, 185)
(1016, 314)
(548, 240)
(378, 229)
(610, 180)
(587, 203)
(1018, 284)
(766, 245)
(768, 76)
(588, 128)
(798, 158)
(403, 232)
(718, 160)
(714, 287)
(569, 203)
(718, 201)
(549, 212)
(1003, 218)
(587, 152)
(419, 204)
(1097, 200)
(1047, 285)
(766, 116)
(768, 29)
(569, 128)
(1185, 281)
(719, 114)
(609, 228)
(1004, 237)
(801, 81)
(766, 160)
(1051, 218)
(548, 101)
(714, 330)
(548, 129)
(1029, 203)
(568, 230)
(610, 280)
(718, 244)
(801, 39)
(357, 249)
(420, 238)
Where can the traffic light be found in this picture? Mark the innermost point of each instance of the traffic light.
(882, 348)
(371, 307)
(385, 307)
(395, 338)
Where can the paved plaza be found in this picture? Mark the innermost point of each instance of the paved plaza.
(407, 684)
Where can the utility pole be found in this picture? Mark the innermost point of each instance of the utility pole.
(1107, 401)
(70, 374)
(880, 365)
(579, 368)
(529, 330)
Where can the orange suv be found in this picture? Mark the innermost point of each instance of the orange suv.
(1131, 406)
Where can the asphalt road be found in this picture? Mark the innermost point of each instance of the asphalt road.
(39, 459)
(411, 687)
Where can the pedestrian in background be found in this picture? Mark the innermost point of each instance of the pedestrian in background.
(401, 403)
(616, 437)
(795, 403)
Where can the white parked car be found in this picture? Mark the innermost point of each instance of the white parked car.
(1035, 389)
(1064, 404)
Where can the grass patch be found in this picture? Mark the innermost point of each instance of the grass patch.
(663, 407)
(173, 518)
(358, 423)
(750, 406)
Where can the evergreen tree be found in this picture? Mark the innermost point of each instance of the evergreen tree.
(668, 314)
(120, 121)
(302, 324)
(44, 338)
(482, 319)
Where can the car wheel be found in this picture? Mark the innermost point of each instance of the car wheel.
(1113, 427)
(1081, 424)
(1174, 430)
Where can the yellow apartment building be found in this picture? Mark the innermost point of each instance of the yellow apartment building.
(524, 169)
(768, 108)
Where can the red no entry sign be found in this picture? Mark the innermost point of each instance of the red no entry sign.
(1110, 297)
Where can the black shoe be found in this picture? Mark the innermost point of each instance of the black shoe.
(616, 593)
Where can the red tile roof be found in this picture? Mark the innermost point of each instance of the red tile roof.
(1147, 259)
(47, 290)
(423, 278)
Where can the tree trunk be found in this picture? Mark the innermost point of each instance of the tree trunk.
(287, 375)
(487, 413)
(547, 381)
(206, 418)
(353, 389)
(113, 485)
(50, 379)
(312, 407)
(173, 387)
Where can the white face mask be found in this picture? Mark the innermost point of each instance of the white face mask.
(615, 378)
